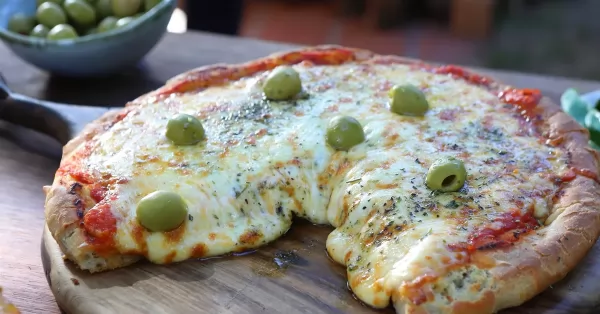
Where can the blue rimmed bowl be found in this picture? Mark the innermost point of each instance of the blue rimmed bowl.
(88, 56)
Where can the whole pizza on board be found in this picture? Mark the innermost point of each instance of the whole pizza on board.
(448, 192)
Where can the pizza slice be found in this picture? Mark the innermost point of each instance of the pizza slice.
(448, 192)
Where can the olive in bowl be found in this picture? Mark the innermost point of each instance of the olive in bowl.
(83, 38)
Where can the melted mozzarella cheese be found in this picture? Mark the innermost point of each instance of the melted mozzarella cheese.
(264, 162)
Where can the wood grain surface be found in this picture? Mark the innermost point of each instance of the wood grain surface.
(293, 275)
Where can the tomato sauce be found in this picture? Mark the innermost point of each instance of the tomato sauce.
(456, 71)
(511, 226)
(72, 169)
(526, 99)
(81, 176)
(101, 225)
(336, 56)
(98, 192)
(586, 173)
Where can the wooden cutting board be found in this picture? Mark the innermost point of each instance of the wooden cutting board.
(292, 275)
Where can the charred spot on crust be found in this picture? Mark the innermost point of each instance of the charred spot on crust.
(79, 209)
(75, 188)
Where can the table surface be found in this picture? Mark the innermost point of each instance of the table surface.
(25, 164)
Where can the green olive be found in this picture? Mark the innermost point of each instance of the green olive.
(149, 4)
(124, 21)
(21, 24)
(184, 129)
(104, 8)
(408, 100)
(282, 83)
(62, 31)
(40, 31)
(50, 14)
(344, 132)
(123, 8)
(592, 123)
(446, 174)
(39, 2)
(107, 24)
(81, 12)
(161, 211)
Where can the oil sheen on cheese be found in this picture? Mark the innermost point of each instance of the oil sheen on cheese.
(265, 162)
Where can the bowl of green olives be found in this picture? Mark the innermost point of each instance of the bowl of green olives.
(83, 38)
(585, 109)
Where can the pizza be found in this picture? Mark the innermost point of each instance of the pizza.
(448, 192)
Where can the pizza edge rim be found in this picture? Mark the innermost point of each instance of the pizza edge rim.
(535, 264)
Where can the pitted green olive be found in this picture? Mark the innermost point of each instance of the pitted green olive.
(161, 211)
(149, 4)
(21, 24)
(184, 129)
(408, 100)
(107, 24)
(282, 83)
(344, 132)
(40, 31)
(446, 174)
(81, 12)
(50, 14)
(62, 31)
(104, 8)
(123, 8)
(124, 21)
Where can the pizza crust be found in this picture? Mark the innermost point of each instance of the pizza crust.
(61, 213)
(515, 274)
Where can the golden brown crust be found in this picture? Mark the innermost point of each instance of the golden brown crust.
(543, 258)
(277, 58)
(518, 272)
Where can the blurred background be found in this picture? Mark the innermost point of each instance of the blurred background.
(554, 37)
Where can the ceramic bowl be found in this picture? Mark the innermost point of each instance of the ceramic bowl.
(93, 55)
